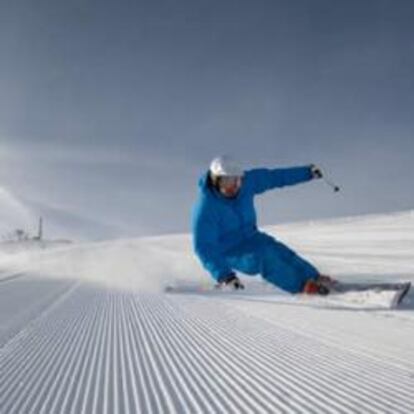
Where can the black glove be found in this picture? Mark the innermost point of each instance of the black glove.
(316, 171)
(231, 281)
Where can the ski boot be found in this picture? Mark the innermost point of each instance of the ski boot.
(315, 287)
(327, 281)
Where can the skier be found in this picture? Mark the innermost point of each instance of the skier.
(225, 234)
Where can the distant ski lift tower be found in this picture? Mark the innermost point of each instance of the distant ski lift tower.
(40, 233)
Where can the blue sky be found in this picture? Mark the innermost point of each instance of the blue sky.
(109, 111)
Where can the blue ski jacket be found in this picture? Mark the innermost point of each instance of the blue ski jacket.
(220, 224)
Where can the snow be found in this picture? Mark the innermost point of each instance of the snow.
(88, 328)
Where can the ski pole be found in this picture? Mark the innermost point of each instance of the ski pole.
(331, 184)
(317, 173)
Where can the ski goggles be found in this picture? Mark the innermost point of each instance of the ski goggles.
(230, 181)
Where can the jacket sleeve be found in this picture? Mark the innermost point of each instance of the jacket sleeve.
(206, 245)
(260, 180)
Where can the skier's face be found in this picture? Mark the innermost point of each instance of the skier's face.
(229, 186)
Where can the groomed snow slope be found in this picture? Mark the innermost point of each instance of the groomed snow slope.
(88, 329)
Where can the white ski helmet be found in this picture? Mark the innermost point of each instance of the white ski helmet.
(225, 166)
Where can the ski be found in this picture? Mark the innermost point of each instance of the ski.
(391, 293)
(341, 287)
(381, 295)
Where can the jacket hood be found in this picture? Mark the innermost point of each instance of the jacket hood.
(203, 182)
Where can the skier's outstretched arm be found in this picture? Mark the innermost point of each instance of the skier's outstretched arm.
(262, 179)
